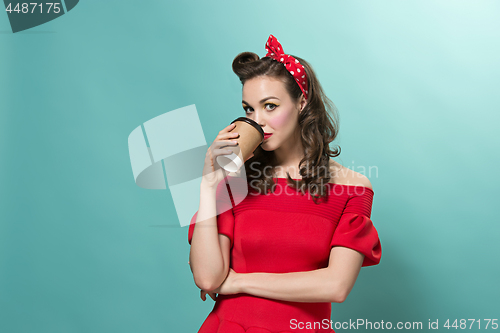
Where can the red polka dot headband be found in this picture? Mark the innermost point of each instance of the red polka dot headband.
(275, 51)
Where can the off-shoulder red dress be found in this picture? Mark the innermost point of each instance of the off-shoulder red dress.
(283, 232)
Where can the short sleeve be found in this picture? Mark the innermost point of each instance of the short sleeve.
(225, 217)
(355, 229)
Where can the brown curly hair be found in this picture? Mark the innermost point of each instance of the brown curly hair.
(318, 123)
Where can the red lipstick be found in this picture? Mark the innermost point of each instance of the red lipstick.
(267, 135)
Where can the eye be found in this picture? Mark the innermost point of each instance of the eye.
(272, 105)
(246, 108)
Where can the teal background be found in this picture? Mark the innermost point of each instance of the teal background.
(84, 249)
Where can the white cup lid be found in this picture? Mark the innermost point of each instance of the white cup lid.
(230, 162)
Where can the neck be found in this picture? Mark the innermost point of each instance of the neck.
(288, 157)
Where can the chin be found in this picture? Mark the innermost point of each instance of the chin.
(267, 147)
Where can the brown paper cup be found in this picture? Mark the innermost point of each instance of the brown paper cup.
(250, 137)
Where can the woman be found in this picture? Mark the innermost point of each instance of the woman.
(277, 259)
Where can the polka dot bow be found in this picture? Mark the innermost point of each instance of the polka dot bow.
(275, 51)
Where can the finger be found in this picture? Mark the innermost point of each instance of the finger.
(221, 151)
(223, 143)
(227, 135)
(216, 147)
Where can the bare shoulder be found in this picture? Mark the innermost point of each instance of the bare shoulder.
(345, 176)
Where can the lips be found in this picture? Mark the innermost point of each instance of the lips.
(267, 135)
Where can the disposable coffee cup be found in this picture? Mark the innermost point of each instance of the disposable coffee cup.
(251, 135)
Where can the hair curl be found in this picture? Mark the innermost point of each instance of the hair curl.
(318, 121)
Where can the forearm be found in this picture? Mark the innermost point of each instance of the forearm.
(310, 286)
(205, 256)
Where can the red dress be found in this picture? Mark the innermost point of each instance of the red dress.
(285, 232)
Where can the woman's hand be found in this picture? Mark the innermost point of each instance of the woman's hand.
(228, 287)
(212, 172)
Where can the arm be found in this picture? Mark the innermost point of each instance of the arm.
(209, 253)
(330, 284)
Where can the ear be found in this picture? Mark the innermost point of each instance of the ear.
(302, 103)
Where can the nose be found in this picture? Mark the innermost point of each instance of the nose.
(259, 119)
(261, 125)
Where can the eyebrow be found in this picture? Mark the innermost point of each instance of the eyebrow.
(262, 100)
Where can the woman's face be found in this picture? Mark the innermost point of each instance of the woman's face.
(266, 101)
